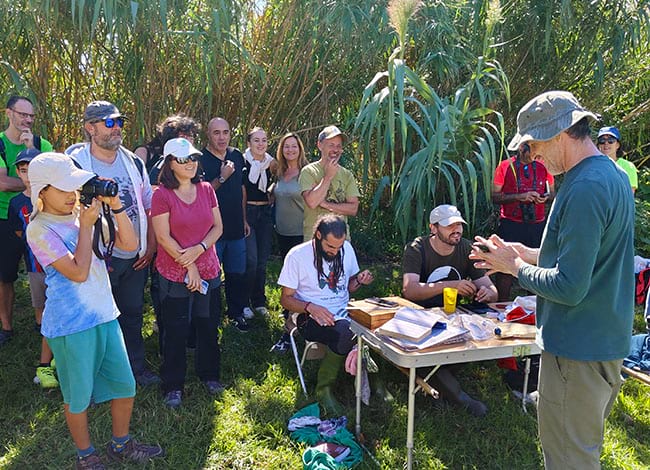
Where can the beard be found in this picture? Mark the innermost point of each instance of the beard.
(448, 240)
(109, 142)
(323, 254)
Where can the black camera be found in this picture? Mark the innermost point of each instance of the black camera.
(527, 212)
(97, 187)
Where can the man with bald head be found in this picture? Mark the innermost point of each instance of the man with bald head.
(223, 168)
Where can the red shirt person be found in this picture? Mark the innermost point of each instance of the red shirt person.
(522, 186)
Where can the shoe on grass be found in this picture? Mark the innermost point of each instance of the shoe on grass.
(146, 378)
(173, 398)
(241, 324)
(262, 311)
(5, 336)
(248, 314)
(282, 346)
(214, 387)
(45, 377)
(134, 451)
(91, 462)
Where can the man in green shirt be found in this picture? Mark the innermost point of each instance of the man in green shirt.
(583, 275)
(17, 137)
(326, 186)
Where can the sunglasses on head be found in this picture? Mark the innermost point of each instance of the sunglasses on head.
(609, 140)
(184, 160)
(111, 122)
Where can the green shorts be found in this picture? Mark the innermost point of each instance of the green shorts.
(93, 364)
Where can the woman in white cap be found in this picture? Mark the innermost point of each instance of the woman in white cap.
(80, 316)
(187, 223)
(609, 142)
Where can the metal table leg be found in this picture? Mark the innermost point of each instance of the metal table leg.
(411, 419)
(357, 387)
(525, 390)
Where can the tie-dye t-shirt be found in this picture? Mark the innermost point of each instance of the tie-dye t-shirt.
(70, 306)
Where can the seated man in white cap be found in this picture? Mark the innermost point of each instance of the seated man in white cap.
(440, 260)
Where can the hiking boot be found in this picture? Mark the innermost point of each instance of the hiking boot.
(5, 336)
(173, 398)
(134, 451)
(241, 324)
(214, 387)
(248, 314)
(45, 377)
(283, 344)
(91, 462)
(146, 378)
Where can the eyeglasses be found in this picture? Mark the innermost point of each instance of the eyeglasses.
(111, 122)
(609, 140)
(23, 115)
(184, 160)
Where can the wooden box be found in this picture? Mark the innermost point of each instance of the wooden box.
(373, 316)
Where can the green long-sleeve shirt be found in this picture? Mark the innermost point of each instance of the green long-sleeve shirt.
(584, 278)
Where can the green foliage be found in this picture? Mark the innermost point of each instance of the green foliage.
(642, 209)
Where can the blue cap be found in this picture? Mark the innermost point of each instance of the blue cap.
(610, 130)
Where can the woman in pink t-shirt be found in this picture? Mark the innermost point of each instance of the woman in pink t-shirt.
(187, 223)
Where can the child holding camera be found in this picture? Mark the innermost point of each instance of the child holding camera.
(80, 316)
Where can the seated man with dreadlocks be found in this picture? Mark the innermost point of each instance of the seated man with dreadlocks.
(316, 279)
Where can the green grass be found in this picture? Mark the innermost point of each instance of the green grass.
(245, 428)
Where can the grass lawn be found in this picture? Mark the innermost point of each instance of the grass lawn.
(245, 428)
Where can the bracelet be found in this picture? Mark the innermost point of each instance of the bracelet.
(119, 211)
(203, 245)
(305, 308)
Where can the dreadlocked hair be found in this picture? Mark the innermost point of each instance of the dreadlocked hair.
(326, 225)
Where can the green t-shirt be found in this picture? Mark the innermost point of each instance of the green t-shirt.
(11, 151)
(342, 187)
(629, 168)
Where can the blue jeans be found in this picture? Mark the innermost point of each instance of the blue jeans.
(258, 250)
(128, 286)
(232, 255)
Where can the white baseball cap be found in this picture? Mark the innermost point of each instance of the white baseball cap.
(445, 215)
(180, 147)
(54, 169)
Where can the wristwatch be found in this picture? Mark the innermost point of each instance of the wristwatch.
(221, 180)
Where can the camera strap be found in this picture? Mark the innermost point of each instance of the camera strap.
(518, 166)
(99, 233)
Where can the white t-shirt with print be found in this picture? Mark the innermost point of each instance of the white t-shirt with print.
(299, 273)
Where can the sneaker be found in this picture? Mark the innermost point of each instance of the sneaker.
(45, 377)
(262, 311)
(174, 398)
(135, 451)
(5, 336)
(214, 387)
(283, 344)
(248, 314)
(146, 377)
(241, 324)
(91, 462)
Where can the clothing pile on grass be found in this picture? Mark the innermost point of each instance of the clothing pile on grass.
(307, 426)
(639, 357)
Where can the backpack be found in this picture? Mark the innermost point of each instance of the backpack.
(641, 286)
(3, 154)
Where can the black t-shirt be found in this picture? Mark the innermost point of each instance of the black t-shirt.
(253, 193)
(435, 267)
(229, 194)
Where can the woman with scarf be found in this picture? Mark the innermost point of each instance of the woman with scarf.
(259, 168)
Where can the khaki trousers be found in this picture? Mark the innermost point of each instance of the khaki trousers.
(575, 398)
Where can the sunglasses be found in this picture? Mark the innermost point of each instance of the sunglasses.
(184, 160)
(111, 122)
(609, 140)
(23, 115)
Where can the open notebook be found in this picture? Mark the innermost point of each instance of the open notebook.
(412, 329)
